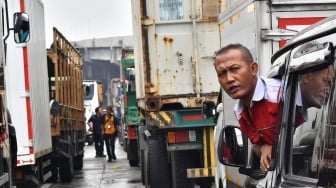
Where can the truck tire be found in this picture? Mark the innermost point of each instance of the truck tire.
(133, 163)
(66, 170)
(78, 162)
(158, 171)
(125, 145)
(54, 171)
(142, 167)
(89, 139)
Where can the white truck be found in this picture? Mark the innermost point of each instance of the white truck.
(175, 42)
(263, 26)
(93, 98)
(8, 146)
(27, 92)
(44, 100)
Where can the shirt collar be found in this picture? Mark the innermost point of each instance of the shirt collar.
(299, 103)
(259, 94)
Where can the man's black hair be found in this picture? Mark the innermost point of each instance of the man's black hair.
(246, 54)
(97, 109)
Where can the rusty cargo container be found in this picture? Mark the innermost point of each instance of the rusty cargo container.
(174, 47)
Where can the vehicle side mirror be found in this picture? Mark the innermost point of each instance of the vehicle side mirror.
(208, 109)
(21, 27)
(54, 107)
(232, 147)
(86, 90)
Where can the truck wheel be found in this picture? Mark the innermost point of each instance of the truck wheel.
(90, 140)
(125, 145)
(142, 165)
(78, 162)
(133, 163)
(54, 171)
(157, 164)
(66, 170)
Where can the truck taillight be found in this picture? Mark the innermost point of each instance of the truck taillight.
(131, 133)
(181, 136)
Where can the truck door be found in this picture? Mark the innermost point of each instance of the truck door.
(306, 151)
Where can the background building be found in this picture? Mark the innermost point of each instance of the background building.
(101, 61)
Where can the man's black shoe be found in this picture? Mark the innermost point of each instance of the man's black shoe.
(102, 155)
(114, 157)
(109, 160)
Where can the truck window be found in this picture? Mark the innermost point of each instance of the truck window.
(175, 10)
(89, 94)
(171, 9)
(130, 74)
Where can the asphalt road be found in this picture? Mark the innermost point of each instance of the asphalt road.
(98, 173)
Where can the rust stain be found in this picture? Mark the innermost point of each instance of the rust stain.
(210, 19)
(168, 40)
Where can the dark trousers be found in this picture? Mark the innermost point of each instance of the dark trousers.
(110, 145)
(99, 144)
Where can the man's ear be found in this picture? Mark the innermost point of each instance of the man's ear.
(306, 78)
(254, 68)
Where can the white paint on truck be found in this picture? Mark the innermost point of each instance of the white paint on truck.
(27, 85)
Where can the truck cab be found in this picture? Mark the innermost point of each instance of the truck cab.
(305, 150)
(93, 98)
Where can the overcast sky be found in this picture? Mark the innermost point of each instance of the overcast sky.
(87, 19)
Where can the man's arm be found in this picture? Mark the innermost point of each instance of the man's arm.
(265, 153)
(89, 123)
(102, 124)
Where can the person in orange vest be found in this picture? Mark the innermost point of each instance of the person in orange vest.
(110, 129)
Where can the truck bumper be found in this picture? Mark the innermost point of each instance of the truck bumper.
(201, 172)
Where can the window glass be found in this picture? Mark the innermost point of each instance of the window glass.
(313, 154)
(171, 9)
(89, 95)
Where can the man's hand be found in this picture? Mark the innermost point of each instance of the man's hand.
(265, 156)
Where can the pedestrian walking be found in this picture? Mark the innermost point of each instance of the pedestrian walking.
(110, 133)
(95, 123)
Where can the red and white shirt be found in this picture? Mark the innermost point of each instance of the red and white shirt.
(264, 108)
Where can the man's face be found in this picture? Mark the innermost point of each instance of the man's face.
(318, 85)
(100, 111)
(236, 76)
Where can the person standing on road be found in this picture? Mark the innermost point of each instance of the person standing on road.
(95, 123)
(110, 133)
(257, 105)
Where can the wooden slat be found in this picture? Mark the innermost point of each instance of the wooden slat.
(68, 84)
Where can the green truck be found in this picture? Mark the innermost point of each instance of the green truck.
(131, 118)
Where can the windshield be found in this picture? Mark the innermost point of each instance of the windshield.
(89, 92)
